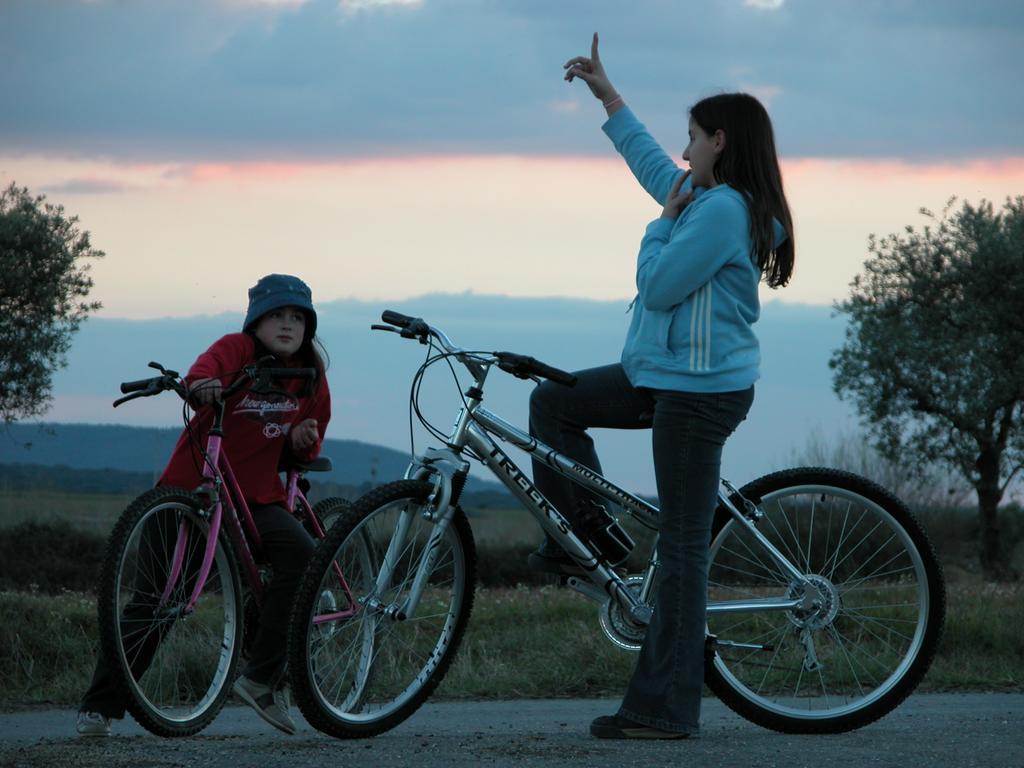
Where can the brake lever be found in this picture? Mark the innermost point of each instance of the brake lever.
(164, 371)
(379, 327)
(132, 396)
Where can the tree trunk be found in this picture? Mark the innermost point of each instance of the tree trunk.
(989, 496)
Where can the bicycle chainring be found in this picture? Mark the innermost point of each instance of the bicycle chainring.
(617, 626)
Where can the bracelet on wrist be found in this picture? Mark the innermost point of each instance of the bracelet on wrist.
(612, 102)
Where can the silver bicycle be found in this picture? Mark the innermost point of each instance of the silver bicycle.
(825, 604)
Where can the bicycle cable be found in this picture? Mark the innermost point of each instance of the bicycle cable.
(414, 395)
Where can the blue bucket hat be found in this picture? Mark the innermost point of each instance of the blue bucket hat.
(276, 291)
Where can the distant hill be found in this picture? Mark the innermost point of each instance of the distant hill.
(142, 452)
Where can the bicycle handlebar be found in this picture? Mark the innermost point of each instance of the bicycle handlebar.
(524, 366)
(259, 375)
(135, 386)
(521, 366)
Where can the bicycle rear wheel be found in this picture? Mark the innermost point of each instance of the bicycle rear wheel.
(879, 594)
(329, 511)
(363, 659)
(175, 667)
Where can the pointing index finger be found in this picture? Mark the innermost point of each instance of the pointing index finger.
(593, 49)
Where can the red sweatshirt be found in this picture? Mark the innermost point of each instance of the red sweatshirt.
(256, 425)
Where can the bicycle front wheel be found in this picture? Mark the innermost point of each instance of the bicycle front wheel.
(174, 665)
(864, 641)
(380, 612)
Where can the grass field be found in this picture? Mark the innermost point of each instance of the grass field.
(529, 642)
(93, 512)
(521, 643)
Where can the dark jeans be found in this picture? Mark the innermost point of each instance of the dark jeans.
(286, 546)
(689, 430)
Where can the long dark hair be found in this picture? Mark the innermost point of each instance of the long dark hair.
(749, 163)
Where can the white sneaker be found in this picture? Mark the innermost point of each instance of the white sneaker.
(92, 724)
(270, 703)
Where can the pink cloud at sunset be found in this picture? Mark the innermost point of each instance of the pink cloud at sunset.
(403, 226)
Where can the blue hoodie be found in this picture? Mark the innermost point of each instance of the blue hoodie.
(696, 280)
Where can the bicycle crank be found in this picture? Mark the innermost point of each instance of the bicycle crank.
(618, 626)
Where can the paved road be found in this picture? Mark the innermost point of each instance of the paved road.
(930, 731)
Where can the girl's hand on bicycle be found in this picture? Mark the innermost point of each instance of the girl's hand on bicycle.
(304, 435)
(205, 391)
(676, 202)
(591, 71)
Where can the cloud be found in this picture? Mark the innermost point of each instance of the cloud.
(565, 106)
(270, 4)
(355, 6)
(764, 5)
(86, 186)
(281, 80)
(765, 93)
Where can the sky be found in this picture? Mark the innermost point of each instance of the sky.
(384, 149)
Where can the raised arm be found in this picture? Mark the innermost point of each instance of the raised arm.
(591, 71)
(650, 164)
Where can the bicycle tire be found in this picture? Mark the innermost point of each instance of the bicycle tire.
(330, 510)
(881, 601)
(175, 671)
(362, 675)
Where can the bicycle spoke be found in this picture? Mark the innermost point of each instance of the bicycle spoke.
(781, 540)
(373, 661)
(865, 628)
(780, 578)
(176, 664)
(854, 547)
(844, 534)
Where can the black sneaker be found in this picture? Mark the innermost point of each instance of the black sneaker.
(618, 727)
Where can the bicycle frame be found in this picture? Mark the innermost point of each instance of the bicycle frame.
(473, 429)
(832, 599)
(647, 514)
(217, 474)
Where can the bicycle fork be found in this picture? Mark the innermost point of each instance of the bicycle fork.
(178, 562)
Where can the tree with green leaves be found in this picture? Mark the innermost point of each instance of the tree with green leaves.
(44, 282)
(934, 352)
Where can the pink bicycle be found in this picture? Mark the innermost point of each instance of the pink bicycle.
(183, 577)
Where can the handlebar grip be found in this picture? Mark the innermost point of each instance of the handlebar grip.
(135, 386)
(523, 365)
(396, 318)
(556, 375)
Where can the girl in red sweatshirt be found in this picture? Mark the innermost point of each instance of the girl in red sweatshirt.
(260, 430)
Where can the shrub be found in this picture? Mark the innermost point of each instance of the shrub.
(50, 558)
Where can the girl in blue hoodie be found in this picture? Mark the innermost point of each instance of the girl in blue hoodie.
(688, 369)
